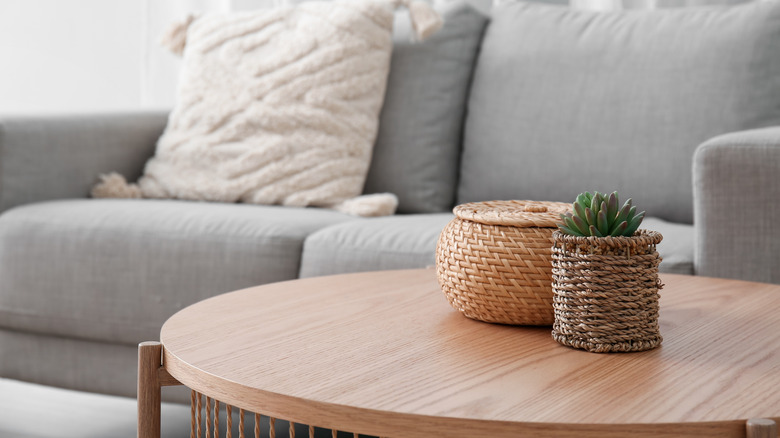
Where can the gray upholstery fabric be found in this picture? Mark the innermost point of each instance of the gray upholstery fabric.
(43, 158)
(565, 101)
(418, 145)
(115, 270)
(105, 368)
(612, 5)
(676, 249)
(736, 194)
(37, 411)
(69, 363)
(396, 242)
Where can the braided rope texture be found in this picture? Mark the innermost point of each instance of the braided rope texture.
(605, 292)
(493, 261)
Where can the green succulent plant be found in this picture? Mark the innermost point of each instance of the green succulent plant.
(598, 215)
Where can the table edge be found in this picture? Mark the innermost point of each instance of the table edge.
(386, 423)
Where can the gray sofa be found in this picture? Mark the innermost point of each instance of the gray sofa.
(518, 107)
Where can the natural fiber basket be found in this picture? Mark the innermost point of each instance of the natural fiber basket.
(493, 260)
(606, 292)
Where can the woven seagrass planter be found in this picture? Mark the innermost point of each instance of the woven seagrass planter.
(493, 261)
(605, 292)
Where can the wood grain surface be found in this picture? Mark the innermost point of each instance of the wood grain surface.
(384, 354)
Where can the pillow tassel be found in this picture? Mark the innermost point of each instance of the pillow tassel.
(425, 20)
(114, 185)
(175, 37)
(376, 204)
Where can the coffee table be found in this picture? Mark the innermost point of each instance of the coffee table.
(382, 353)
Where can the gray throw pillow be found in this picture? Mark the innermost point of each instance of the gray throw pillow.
(417, 149)
(565, 101)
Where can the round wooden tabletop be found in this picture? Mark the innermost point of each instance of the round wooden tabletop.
(383, 353)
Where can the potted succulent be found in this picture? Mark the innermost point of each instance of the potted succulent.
(605, 277)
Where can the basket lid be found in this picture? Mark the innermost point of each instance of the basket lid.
(527, 214)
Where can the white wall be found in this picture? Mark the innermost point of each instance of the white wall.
(61, 56)
(69, 55)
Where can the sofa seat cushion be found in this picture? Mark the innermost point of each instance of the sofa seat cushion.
(676, 250)
(394, 242)
(115, 270)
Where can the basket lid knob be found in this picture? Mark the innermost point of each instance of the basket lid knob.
(535, 208)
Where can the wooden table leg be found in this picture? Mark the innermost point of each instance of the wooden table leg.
(149, 362)
(761, 428)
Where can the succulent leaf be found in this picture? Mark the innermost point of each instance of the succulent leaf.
(582, 227)
(583, 201)
(631, 214)
(623, 213)
(595, 203)
(634, 224)
(601, 220)
(619, 229)
(615, 226)
(612, 205)
(588, 197)
(569, 222)
(567, 230)
(579, 209)
(590, 217)
(595, 232)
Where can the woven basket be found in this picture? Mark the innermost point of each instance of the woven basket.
(606, 292)
(494, 261)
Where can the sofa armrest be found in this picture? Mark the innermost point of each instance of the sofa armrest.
(55, 157)
(736, 188)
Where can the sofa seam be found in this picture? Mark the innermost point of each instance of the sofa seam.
(59, 335)
(3, 160)
(272, 236)
(362, 249)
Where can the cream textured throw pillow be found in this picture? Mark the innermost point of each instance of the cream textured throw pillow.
(278, 106)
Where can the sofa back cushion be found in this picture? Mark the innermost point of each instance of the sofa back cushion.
(565, 101)
(417, 150)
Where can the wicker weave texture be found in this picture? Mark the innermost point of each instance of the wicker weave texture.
(497, 273)
(544, 214)
(606, 292)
